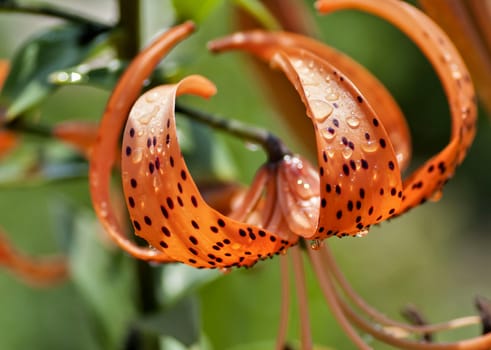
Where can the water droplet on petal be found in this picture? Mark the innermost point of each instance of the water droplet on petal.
(353, 121)
(436, 196)
(328, 134)
(362, 233)
(330, 151)
(151, 97)
(103, 210)
(156, 183)
(145, 118)
(137, 155)
(332, 96)
(320, 109)
(347, 152)
(370, 146)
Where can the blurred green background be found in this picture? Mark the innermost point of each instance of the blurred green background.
(436, 257)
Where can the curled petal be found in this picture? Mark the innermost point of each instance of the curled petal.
(374, 91)
(360, 181)
(36, 271)
(428, 180)
(103, 154)
(164, 203)
(467, 24)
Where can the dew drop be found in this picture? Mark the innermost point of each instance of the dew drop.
(156, 183)
(370, 146)
(362, 233)
(235, 246)
(347, 152)
(436, 196)
(316, 244)
(145, 118)
(251, 146)
(103, 210)
(328, 134)
(332, 96)
(320, 109)
(151, 97)
(140, 132)
(225, 270)
(330, 152)
(353, 121)
(137, 155)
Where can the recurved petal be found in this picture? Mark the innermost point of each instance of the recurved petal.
(103, 155)
(164, 203)
(360, 180)
(371, 88)
(428, 180)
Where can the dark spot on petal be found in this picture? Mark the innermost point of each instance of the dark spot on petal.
(147, 220)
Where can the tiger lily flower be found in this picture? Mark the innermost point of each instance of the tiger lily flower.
(361, 151)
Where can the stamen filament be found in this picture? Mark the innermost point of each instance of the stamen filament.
(298, 269)
(381, 318)
(285, 303)
(338, 308)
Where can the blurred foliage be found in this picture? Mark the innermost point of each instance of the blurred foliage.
(435, 256)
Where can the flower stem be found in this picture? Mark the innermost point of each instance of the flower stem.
(129, 24)
(272, 145)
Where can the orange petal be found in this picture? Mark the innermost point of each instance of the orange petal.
(4, 71)
(373, 90)
(298, 195)
(36, 271)
(428, 180)
(164, 203)
(360, 181)
(80, 134)
(467, 24)
(8, 140)
(103, 155)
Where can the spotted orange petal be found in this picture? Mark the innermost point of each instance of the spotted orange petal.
(360, 181)
(164, 203)
(428, 180)
(374, 91)
(103, 154)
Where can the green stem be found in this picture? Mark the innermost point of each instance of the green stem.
(129, 24)
(272, 145)
(50, 11)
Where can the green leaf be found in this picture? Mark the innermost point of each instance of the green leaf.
(197, 11)
(260, 12)
(55, 49)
